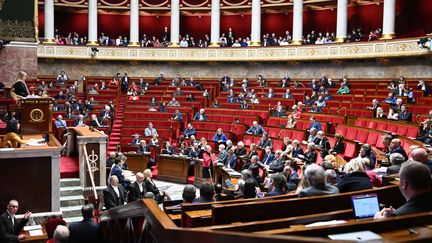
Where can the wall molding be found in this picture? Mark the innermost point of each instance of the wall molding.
(361, 50)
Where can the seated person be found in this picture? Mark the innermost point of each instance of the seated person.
(60, 122)
(136, 139)
(153, 101)
(265, 141)
(219, 136)
(207, 193)
(314, 124)
(189, 194)
(339, 147)
(154, 141)
(150, 130)
(12, 138)
(106, 114)
(315, 176)
(310, 155)
(404, 115)
(230, 160)
(96, 122)
(391, 99)
(195, 150)
(60, 96)
(168, 148)
(255, 129)
(143, 147)
(415, 185)
(201, 115)
(189, 131)
(80, 121)
(177, 116)
(173, 102)
(355, 177)
(240, 150)
(396, 160)
(396, 147)
(277, 185)
(344, 89)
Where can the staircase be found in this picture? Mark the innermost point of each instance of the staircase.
(71, 199)
(114, 138)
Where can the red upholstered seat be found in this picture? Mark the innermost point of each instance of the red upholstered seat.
(402, 130)
(382, 126)
(372, 138)
(350, 150)
(351, 133)
(362, 135)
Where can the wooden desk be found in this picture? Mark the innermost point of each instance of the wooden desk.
(173, 168)
(33, 176)
(96, 144)
(137, 162)
(199, 217)
(35, 239)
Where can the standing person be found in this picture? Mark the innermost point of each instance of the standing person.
(19, 89)
(124, 82)
(85, 231)
(114, 194)
(138, 188)
(10, 226)
(207, 167)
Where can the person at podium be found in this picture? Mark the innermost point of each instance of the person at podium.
(12, 138)
(19, 88)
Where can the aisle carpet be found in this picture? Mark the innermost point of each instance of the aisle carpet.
(69, 167)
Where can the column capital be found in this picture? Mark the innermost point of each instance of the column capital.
(174, 44)
(215, 44)
(297, 42)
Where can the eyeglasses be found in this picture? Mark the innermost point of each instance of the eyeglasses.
(13, 206)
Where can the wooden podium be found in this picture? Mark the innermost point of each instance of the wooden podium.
(36, 115)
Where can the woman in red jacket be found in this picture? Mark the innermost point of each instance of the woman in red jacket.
(207, 168)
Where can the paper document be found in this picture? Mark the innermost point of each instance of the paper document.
(32, 227)
(356, 236)
(324, 223)
(35, 232)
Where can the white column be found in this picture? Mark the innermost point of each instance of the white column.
(175, 23)
(92, 23)
(215, 23)
(342, 20)
(389, 19)
(134, 23)
(297, 22)
(256, 23)
(49, 21)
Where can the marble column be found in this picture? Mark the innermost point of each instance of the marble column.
(215, 23)
(134, 23)
(92, 23)
(49, 22)
(175, 23)
(389, 20)
(342, 20)
(297, 22)
(256, 23)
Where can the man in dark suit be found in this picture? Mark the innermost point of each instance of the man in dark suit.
(268, 156)
(189, 131)
(138, 188)
(9, 226)
(224, 80)
(79, 121)
(277, 185)
(255, 129)
(314, 124)
(124, 82)
(201, 115)
(85, 231)
(265, 141)
(270, 94)
(106, 113)
(395, 147)
(415, 185)
(231, 160)
(278, 163)
(114, 194)
(404, 115)
(314, 174)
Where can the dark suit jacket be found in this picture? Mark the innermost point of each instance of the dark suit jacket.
(76, 122)
(20, 89)
(232, 162)
(405, 116)
(354, 181)
(151, 187)
(297, 151)
(189, 132)
(339, 147)
(197, 117)
(268, 158)
(257, 130)
(277, 165)
(318, 191)
(85, 231)
(417, 204)
(111, 199)
(110, 114)
(310, 157)
(401, 151)
(265, 143)
(9, 232)
(275, 192)
(135, 193)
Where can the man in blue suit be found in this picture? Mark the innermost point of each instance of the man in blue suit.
(189, 131)
(255, 129)
(268, 156)
(314, 124)
(231, 160)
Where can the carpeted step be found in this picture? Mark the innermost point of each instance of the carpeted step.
(69, 167)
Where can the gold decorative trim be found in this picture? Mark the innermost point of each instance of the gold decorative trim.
(134, 44)
(388, 36)
(92, 43)
(114, 4)
(49, 41)
(174, 44)
(255, 43)
(215, 44)
(195, 5)
(350, 50)
(297, 42)
(36, 115)
(234, 4)
(340, 39)
(155, 5)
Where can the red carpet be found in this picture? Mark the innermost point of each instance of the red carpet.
(69, 167)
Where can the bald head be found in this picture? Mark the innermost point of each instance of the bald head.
(420, 155)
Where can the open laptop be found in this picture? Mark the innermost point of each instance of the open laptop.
(365, 206)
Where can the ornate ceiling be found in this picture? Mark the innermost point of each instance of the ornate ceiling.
(203, 5)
